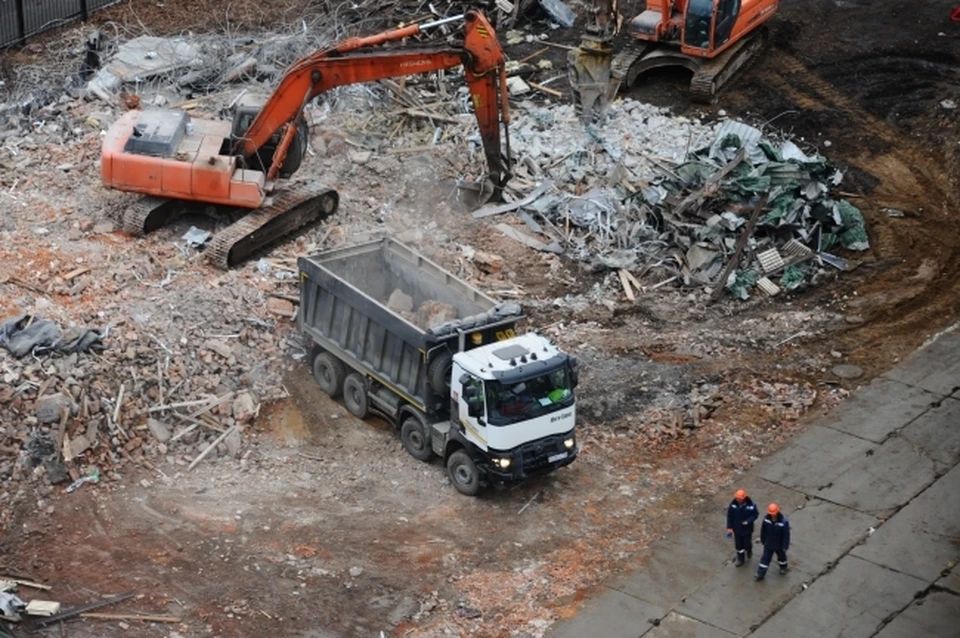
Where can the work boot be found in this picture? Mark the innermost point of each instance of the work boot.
(759, 576)
(740, 562)
(783, 569)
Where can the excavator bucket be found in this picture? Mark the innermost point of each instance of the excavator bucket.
(590, 65)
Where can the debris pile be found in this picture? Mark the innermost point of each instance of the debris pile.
(667, 198)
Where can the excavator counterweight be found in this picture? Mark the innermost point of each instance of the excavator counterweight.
(244, 165)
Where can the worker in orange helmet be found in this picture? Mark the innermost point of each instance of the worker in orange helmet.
(741, 515)
(775, 537)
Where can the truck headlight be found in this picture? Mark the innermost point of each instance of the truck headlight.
(569, 443)
(502, 463)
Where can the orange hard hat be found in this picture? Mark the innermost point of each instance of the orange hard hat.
(740, 495)
(773, 509)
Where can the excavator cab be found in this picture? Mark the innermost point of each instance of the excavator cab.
(245, 111)
(697, 23)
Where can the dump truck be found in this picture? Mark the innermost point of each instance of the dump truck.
(397, 336)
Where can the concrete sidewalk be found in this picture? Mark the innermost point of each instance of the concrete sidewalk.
(872, 492)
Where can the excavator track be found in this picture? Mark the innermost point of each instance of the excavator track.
(289, 211)
(714, 75)
(624, 61)
(148, 214)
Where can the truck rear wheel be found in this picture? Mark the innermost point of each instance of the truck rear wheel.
(329, 372)
(415, 439)
(463, 473)
(355, 395)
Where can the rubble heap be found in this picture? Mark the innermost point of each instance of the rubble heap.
(630, 194)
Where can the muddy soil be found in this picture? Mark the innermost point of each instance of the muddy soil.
(327, 528)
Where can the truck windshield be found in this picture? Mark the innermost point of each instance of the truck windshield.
(696, 32)
(512, 402)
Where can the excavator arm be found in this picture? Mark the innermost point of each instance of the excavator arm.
(355, 60)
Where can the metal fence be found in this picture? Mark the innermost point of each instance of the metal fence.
(21, 19)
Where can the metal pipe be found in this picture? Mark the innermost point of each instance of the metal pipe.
(437, 23)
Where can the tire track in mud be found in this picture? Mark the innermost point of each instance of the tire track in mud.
(899, 303)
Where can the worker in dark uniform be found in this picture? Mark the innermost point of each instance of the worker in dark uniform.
(775, 537)
(741, 516)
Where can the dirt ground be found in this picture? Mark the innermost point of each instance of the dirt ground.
(326, 527)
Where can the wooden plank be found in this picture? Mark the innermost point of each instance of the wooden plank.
(73, 274)
(721, 283)
(625, 282)
(543, 89)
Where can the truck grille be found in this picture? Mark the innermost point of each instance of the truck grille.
(536, 453)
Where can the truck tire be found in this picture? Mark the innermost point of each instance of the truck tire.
(415, 439)
(355, 395)
(463, 473)
(329, 372)
(438, 373)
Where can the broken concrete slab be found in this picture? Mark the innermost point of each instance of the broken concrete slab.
(936, 614)
(881, 482)
(677, 625)
(813, 551)
(676, 567)
(891, 404)
(935, 434)
(920, 539)
(850, 601)
(141, 59)
(612, 614)
(935, 368)
(814, 459)
(711, 602)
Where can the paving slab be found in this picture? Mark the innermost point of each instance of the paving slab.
(822, 532)
(679, 626)
(850, 601)
(883, 481)
(814, 459)
(679, 564)
(951, 581)
(890, 405)
(935, 368)
(936, 614)
(612, 614)
(733, 601)
(921, 538)
(936, 434)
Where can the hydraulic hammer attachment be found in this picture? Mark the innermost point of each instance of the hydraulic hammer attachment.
(589, 65)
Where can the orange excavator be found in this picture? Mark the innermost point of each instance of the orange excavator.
(242, 165)
(712, 38)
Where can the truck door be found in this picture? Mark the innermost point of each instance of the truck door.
(471, 406)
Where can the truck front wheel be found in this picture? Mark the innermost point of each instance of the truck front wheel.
(329, 372)
(415, 439)
(464, 473)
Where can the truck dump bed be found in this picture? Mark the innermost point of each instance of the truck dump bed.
(383, 308)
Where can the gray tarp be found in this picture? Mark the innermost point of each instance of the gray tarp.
(27, 333)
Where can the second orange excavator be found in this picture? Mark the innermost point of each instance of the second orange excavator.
(173, 159)
(712, 38)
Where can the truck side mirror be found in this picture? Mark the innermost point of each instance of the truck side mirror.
(470, 394)
(574, 372)
(474, 408)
